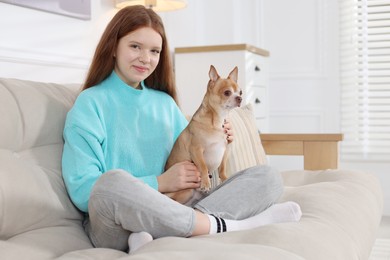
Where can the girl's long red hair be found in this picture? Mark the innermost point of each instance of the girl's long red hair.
(124, 22)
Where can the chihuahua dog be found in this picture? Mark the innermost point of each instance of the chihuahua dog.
(204, 141)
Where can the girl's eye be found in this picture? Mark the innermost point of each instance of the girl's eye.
(134, 46)
(227, 93)
(156, 51)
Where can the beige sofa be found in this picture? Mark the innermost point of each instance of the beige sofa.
(341, 209)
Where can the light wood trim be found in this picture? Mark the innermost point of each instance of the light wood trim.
(320, 151)
(229, 47)
(301, 137)
(283, 147)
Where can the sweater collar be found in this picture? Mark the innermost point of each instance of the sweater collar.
(115, 81)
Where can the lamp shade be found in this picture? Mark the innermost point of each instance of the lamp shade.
(156, 5)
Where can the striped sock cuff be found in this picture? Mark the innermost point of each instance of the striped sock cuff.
(221, 224)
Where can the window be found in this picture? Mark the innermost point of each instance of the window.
(365, 79)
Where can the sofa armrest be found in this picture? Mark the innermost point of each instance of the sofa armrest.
(320, 151)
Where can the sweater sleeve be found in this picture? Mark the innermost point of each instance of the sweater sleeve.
(83, 158)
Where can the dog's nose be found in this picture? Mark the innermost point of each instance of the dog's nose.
(238, 99)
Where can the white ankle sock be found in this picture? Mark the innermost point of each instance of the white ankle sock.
(283, 212)
(137, 240)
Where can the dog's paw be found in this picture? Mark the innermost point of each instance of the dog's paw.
(223, 178)
(205, 186)
(204, 190)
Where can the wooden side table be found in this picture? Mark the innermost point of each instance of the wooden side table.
(320, 151)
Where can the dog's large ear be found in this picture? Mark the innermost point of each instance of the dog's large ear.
(213, 74)
(234, 74)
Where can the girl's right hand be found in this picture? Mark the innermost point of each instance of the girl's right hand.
(181, 176)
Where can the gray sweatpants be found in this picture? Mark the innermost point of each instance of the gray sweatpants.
(121, 204)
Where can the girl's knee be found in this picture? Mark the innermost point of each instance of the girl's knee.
(267, 178)
(265, 172)
(105, 189)
(113, 180)
(112, 176)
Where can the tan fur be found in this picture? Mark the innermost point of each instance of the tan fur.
(203, 141)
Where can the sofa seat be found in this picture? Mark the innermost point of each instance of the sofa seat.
(341, 209)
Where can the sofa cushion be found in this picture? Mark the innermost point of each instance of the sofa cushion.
(33, 113)
(33, 197)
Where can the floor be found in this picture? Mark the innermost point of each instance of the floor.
(381, 249)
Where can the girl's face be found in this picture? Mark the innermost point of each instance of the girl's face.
(137, 55)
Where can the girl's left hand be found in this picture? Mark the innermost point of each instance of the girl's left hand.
(228, 130)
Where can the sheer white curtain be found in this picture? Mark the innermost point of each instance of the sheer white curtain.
(365, 79)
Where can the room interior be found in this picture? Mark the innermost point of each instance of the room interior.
(299, 42)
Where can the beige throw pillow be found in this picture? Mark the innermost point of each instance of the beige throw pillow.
(246, 149)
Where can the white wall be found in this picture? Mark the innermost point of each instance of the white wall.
(301, 35)
(208, 22)
(38, 45)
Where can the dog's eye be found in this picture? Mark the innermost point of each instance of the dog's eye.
(240, 92)
(227, 93)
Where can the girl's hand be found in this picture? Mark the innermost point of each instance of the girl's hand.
(228, 130)
(181, 176)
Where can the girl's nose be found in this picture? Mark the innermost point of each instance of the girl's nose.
(144, 57)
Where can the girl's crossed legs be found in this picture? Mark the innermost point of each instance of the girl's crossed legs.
(121, 204)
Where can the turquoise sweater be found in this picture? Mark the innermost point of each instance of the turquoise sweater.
(114, 126)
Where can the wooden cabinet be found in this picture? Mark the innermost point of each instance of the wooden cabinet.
(192, 65)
